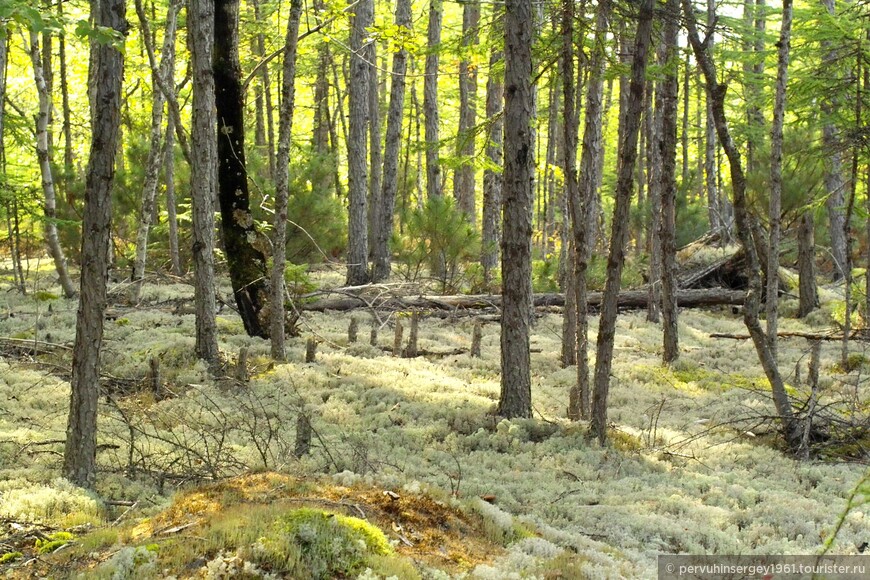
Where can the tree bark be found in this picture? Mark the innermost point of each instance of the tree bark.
(282, 182)
(79, 465)
(376, 158)
(654, 245)
(171, 202)
(516, 244)
(66, 110)
(668, 186)
(775, 209)
(381, 253)
(244, 245)
(463, 180)
(430, 100)
(714, 210)
(43, 156)
(492, 177)
(266, 90)
(807, 289)
(752, 304)
(357, 149)
(619, 233)
(155, 152)
(203, 174)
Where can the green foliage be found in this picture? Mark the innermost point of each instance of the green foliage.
(545, 274)
(10, 557)
(440, 239)
(317, 544)
(633, 272)
(298, 281)
(317, 224)
(53, 542)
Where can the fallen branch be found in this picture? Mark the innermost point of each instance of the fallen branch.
(859, 334)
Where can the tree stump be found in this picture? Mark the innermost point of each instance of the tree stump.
(352, 330)
(310, 350)
(397, 338)
(476, 336)
(155, 379)
(303, 435)
(241, 370)
(373, 336)
(411, 350)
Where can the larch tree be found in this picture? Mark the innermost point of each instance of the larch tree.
(492, 177)
(245, 247)
(381, 251)
(516, 243)
(430, 100)
(619, 231)
(80, 449)
(282, 181)
(43, 156)
(752, 304)
(357, 150)
(463, 179)
(203, 174)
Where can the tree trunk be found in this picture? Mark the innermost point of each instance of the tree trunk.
(43, 155)
(492, 178)
(155, 153)
(282, 182)
(714, 211)
(755, 20)
(381, 254)
(66, 110)
(516, 244)
(320, 135)
(265, 93)
(430, 100)
(357, 149)
(79, 464)
(775, 210)
(244, 245)
(203, 174)
(376, 159)
(554, 134)
(654, 245)
(463, 179)
(668, 186)
(171, 202)
(582, 214)
(807, 289)
(752, 305)
(619, 233)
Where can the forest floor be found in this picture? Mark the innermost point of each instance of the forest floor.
(693, 465)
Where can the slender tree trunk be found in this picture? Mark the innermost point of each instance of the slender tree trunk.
(357, 150)
(775, 211)
(516, 243)
(11, 205)
(381, 254)
(203, 174)
(171, 202)
(430, 100)
(591, 169)
(668, 186)
(66, 109)
(282, 181)
(79, 464)
(265, 93)
(376, 158)
(716, 93)
(549, 185)
(684, 137)
(711, 180)
(492, 178)
(654, 245)
(619, 233)
(755, 18)
(463, 180)
(808, 292)
(155, 153)
(43, 155)
(320, 136)
(245, 247)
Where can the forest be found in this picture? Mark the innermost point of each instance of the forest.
(431, 290)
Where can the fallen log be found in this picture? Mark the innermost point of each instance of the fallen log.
(859, 334)
(693, 298)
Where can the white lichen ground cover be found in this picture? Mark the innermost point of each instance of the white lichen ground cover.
(403, 423)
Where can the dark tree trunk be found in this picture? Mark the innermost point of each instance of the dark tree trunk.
(203, 174)
(807, 289)
(357, 148)
(171, 202)
(381, 253)
(654, 242)
(752, 305)
(619, 233)
(79, 464)
(244, 246)
(492, 179)
(282, 181)
(463, 180)
(516, 244)
(430, 100)
(668, 186)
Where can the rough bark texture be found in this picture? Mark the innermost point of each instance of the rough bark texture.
(668, 186)
(357, 149)
(775, 209)
(376, 160)
(492, 178)
(79, 462)
(244, 246)
(43, 156)
(430, 99)
(807, 289)
(155, 151)
(711, 178)
(619, 232)
(516, 244)
(752, 304)
(282, 181)
(463, 180)
(171, 209)
(591, 170)
(203, 174)
(654, 242)
(265, 96)
(381, 251)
